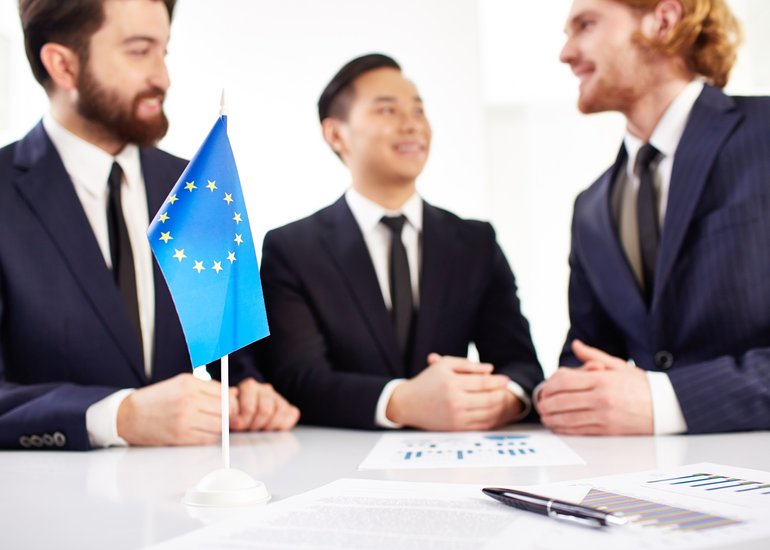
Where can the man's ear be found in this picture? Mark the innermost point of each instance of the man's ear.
(333, 132)
(62, 64)
(660, 22)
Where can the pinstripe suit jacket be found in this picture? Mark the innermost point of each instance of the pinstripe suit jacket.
(708, 326)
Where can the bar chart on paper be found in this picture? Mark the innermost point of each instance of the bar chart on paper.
(694, 506)
(650, 514)
(718, 484)
(702, 504)
(468, 450)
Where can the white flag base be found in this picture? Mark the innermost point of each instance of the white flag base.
(227, 487)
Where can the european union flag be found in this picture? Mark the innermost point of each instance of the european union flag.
(202, 241)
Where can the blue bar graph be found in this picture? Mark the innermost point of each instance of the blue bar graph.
(512, 446)
(713, 482)
(468, 450)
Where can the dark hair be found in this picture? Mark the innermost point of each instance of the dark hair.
(335, 99)
(70, 23)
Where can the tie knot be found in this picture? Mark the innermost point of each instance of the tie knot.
(116, 176)
(394, 223)
(646, 155)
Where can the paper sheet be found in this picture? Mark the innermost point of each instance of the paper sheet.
(362, 514)
(352, 513)
(696, 506)
(468, 450)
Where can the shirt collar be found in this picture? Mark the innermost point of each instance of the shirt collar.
(368, 213)
(670, 128)
(89, 166)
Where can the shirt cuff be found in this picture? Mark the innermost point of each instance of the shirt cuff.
(667, 415)
(102, 421)
(519, 392)
(380, 418)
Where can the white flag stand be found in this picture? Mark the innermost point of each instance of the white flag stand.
(226, 487)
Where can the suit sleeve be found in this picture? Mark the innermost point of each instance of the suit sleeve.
(43, 416)
(296, 357)
(501, 332)
(725, 393)
(589, 321)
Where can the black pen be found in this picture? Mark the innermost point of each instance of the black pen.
(557, 509)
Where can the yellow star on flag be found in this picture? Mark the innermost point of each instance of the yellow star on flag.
(163, 217)
(172, 199)
(190, 185)
(231, 257)
(179, 254)
(228, 198)
(238, 239)
(165, 236)
(212, 185)
(217, 267)
(198, 266)
(237, 218)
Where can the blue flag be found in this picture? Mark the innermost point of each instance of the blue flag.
(202, 241)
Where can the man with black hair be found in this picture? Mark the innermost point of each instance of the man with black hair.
(373, 301)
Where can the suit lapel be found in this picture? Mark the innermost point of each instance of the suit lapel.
(436, 271)
(346, 245)
(606, 264)
(712, 119)
(50, 194)
(159, 179)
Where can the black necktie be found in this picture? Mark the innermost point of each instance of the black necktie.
(120, 249)
(400, 282)
(647, 217)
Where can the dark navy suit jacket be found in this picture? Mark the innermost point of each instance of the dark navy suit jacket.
(708, 326)
(65, 338)
(332, 347)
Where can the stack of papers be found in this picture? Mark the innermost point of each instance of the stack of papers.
(696, 506)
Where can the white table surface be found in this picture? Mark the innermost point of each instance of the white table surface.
(130, 498)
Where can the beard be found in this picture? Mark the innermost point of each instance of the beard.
(606, 95)
(112, 116)
(626, 76)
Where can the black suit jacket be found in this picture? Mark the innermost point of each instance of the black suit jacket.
(709, 322)
(332, 347)
(65, 338)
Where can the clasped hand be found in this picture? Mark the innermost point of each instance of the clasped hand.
(605, 396)
(454, 394)
(184, 410)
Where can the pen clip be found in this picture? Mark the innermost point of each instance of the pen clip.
(586, 522)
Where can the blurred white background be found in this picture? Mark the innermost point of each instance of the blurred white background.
(509, 144)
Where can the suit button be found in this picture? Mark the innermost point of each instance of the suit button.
(48, 440)
(59, 439)
(36, 440)
(24, 442)
(664, 360)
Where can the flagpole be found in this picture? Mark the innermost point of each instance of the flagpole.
(225, 486)
(225, 362)
(225, 384)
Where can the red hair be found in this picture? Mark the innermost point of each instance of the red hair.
(707, 37)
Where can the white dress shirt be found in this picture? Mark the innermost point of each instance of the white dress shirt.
(667, 414)
(368, 214)
(89, 167)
